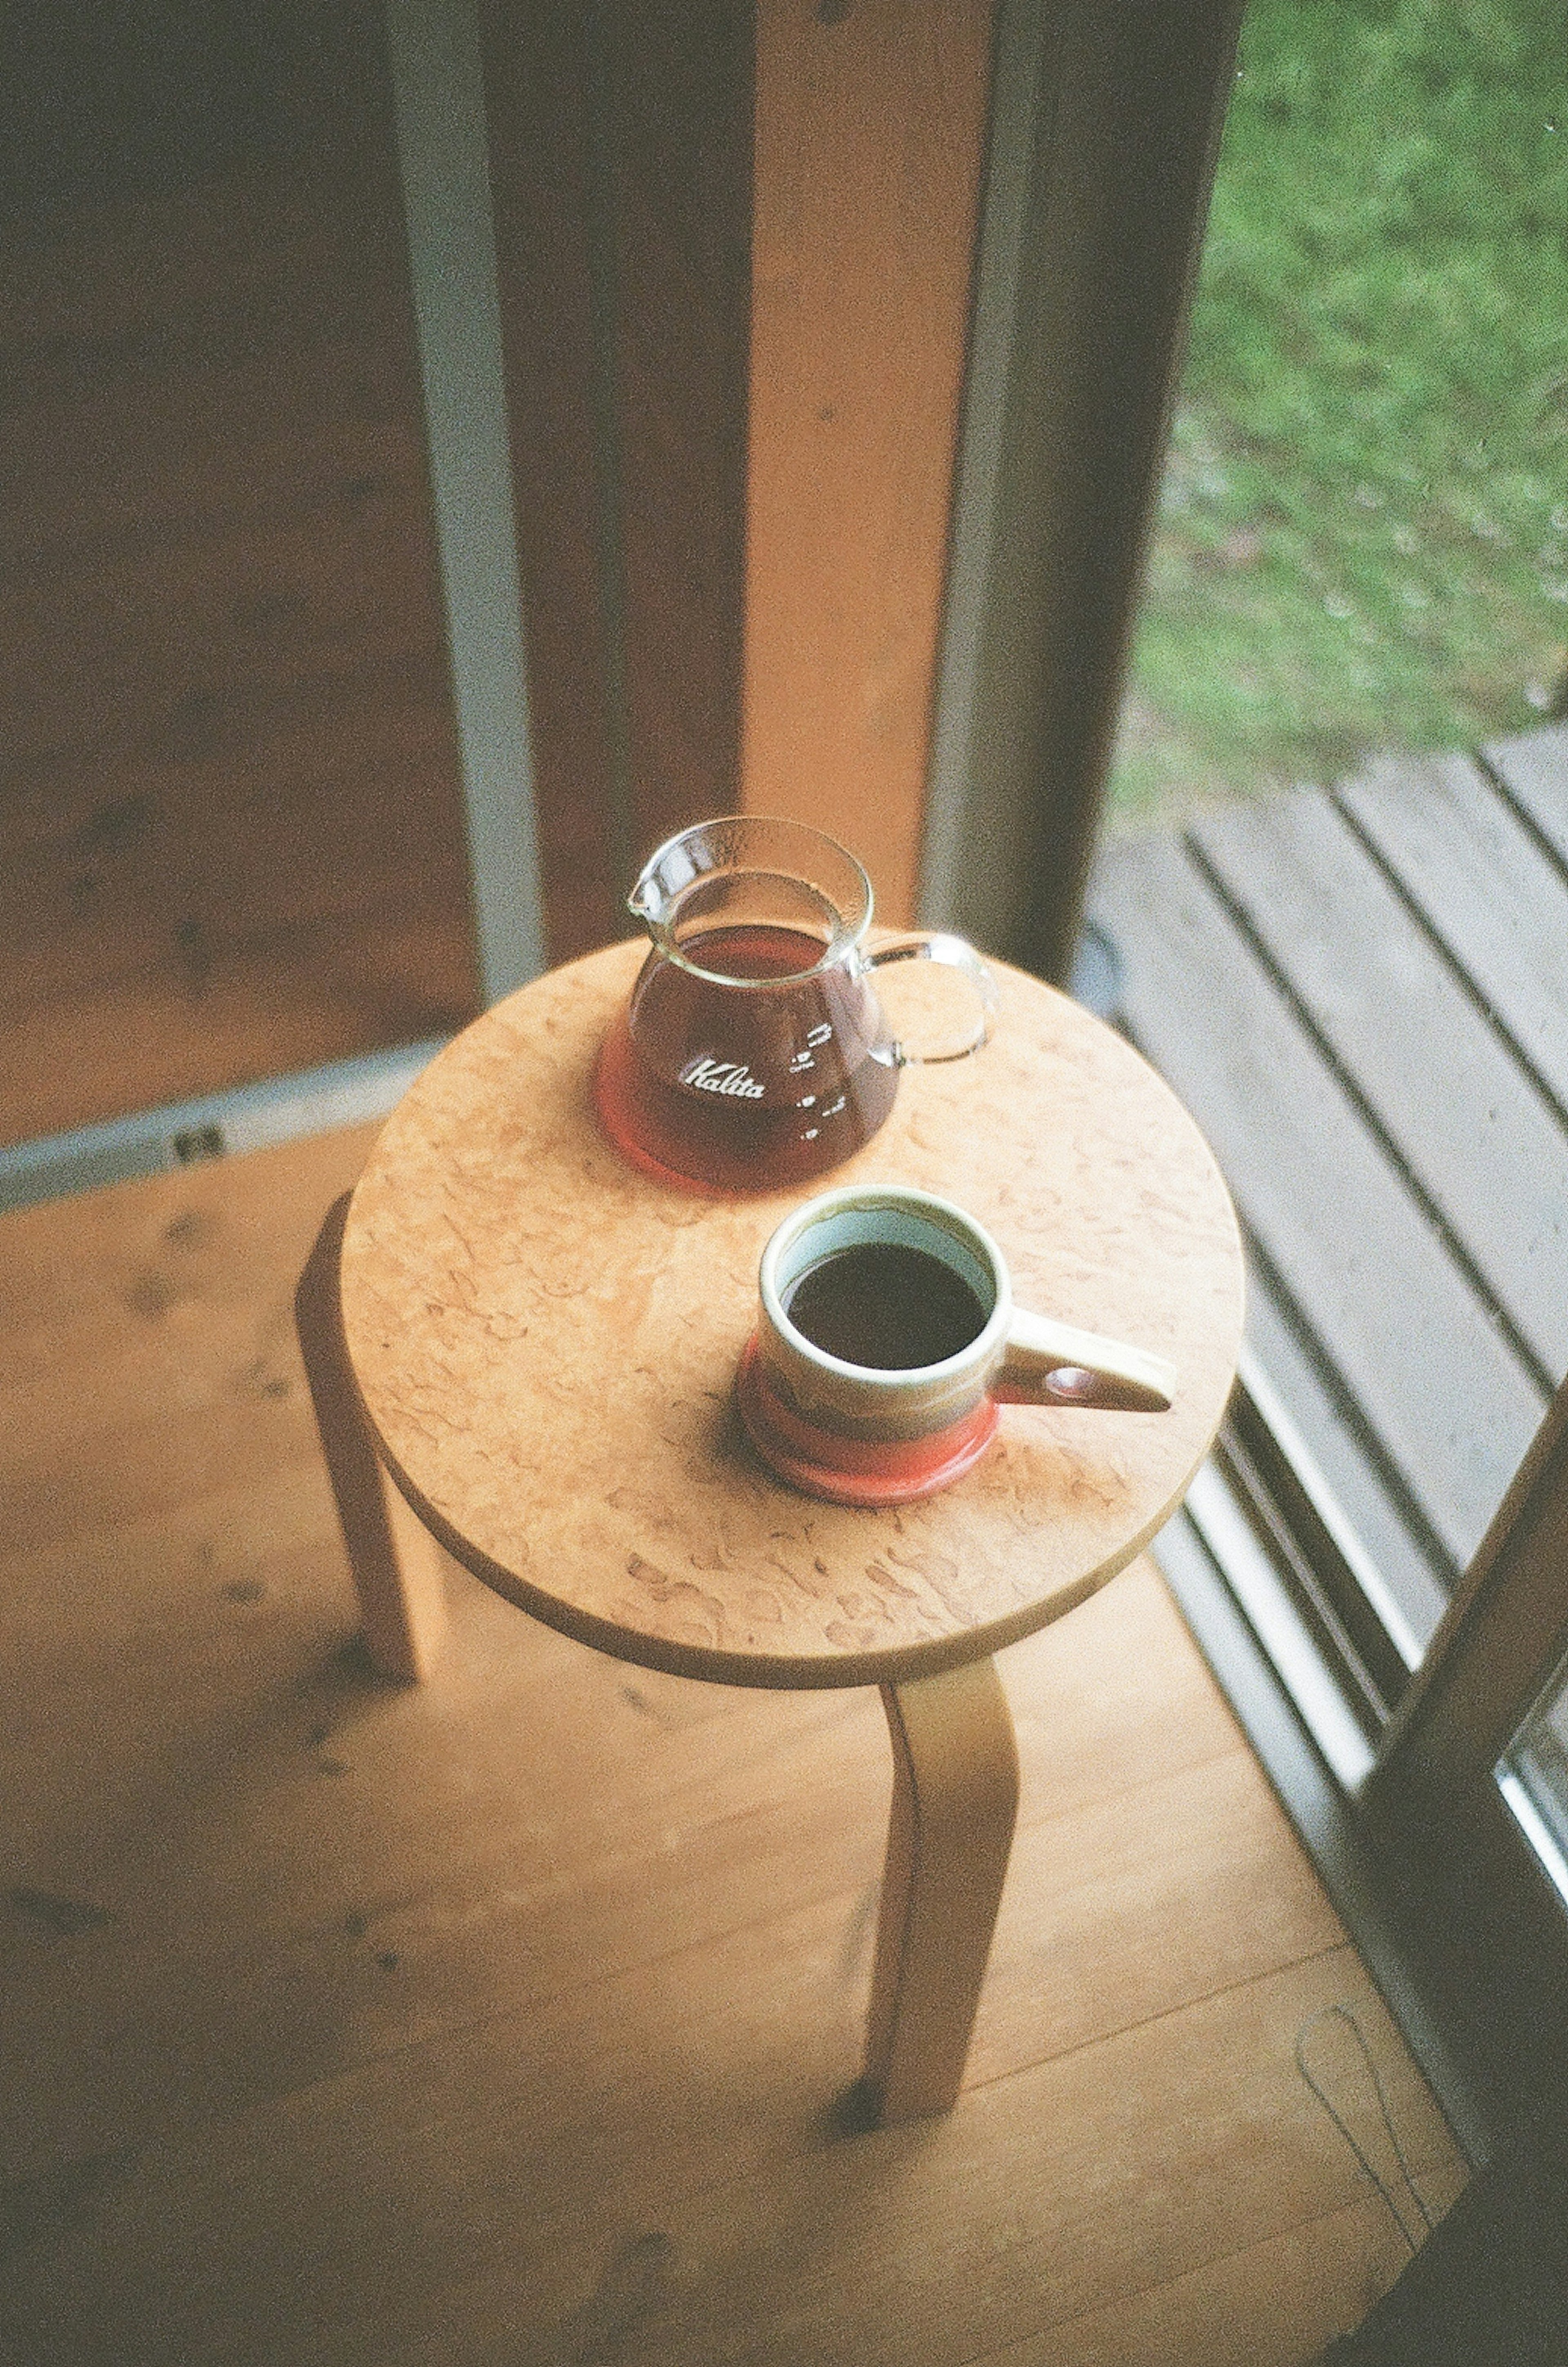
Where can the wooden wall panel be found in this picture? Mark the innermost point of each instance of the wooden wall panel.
(537, 64)
(871, 121)
(620, 164)
(225, 705)
(231, 836)
(683, 201)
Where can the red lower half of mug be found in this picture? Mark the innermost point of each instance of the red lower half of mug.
(845, 1470)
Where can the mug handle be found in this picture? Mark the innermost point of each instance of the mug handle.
(1053, 1363)
(958, 954)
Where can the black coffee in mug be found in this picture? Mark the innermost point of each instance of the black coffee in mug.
(886, 1305)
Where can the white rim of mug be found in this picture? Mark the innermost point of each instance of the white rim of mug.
(842, 941)
(889, 1378)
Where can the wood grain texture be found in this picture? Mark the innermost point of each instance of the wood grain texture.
(1360, 992)
(620, 165)
(1273, 2304)
(954, 1803)
(1444, 1087)
(281, 1001)
(546, 1342)
(359, 2026)
(1533, 769)
(1484, 884)
(397, 1565)
(232, 838)
(870, 133)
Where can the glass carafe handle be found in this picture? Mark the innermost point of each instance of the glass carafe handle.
(957, 953)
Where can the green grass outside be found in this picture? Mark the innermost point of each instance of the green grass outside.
(1363, 534)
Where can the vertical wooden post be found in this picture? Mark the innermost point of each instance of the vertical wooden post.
(397, 1565)
(871, 127)
(955, 1800)
(620, 167)
(732, 446)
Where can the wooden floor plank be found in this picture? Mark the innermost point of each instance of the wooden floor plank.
(79, 1278)
(496, 1914)
(506, 2019)
(1032, 2203)
(1453, 1406)
(1109, 1920)
(365, 2217)
(1488, 1150)
(1274, 2305)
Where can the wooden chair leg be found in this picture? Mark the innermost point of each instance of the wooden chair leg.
(397, 1565)
(955, 1799)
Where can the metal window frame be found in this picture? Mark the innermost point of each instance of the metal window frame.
(1105, 130)
(442, 154)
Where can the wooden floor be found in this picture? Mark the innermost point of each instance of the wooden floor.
(1362, 996)
(506, 2020)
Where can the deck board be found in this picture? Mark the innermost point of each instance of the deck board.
(1444, 1088)
(1533, 770)
(1453, 1405)
(1362, 995)
(1486, 889)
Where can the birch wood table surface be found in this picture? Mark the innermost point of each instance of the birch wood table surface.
(538, 1344)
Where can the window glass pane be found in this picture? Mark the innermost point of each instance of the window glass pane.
(1334, 882)
(1363, 540)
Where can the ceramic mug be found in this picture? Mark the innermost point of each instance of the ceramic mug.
(887, 1337)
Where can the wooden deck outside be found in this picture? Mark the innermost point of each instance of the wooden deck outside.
(500, 2023)
(1362, 995)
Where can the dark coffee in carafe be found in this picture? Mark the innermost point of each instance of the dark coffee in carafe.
(747, 1093)
(753, 1052)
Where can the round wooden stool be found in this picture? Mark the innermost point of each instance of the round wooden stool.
(538, 1344)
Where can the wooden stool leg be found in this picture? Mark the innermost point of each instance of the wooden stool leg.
(397, 1565)
(954, 1799)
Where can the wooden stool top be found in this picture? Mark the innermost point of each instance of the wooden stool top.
(546, 1341)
